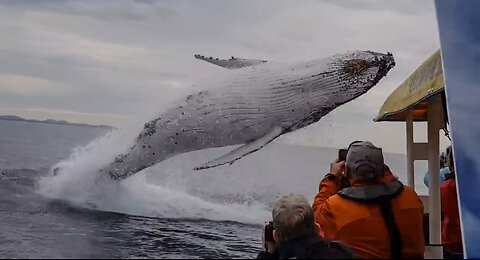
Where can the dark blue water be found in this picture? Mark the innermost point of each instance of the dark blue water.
(32, 226)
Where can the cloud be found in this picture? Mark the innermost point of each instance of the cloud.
(408, 7)
(28, 86)
(133, 58)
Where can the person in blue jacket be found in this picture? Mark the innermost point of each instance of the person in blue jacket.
(443, 170)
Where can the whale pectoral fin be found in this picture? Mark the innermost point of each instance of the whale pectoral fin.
(232, 63)
(246, 149)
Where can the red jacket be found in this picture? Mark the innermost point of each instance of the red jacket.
(451, 232)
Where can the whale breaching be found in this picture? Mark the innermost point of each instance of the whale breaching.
(255, 103)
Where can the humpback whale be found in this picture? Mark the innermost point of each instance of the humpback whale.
(255, 103)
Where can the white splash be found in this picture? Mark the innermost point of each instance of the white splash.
(78, 182)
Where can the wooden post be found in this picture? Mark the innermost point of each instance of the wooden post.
(410, 156)
(434, 116)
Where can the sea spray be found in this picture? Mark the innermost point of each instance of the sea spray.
(78, 182)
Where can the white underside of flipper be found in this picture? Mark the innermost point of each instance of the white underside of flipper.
(243, 150)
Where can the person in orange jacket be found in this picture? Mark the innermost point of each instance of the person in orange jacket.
(377, 217)
(451, 231)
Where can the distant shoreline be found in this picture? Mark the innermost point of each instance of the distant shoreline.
(50, 121)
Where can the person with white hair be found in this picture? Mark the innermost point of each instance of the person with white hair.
(293, 233)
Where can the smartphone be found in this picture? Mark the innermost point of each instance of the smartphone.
(342, 155)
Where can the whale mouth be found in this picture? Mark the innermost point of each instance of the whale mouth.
(358, 64)
(360, 67)
(385, 63)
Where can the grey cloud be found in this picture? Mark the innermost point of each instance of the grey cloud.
(133, 57)
(119, 10)
(409, 7)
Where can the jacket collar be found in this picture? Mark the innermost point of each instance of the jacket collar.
(373, 192)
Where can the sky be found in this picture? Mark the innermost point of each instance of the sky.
(460, 40)
(120, 62)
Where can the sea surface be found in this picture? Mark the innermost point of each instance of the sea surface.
(165, 211)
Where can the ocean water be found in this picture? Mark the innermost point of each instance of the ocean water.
(165, 211)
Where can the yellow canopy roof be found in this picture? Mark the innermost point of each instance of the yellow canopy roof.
(425, 82)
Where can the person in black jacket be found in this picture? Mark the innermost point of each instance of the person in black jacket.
(296, 235)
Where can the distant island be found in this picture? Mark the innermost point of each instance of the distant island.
(50, 121)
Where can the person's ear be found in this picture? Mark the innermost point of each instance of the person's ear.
(275, 236)
(347, 174)
(318, 229)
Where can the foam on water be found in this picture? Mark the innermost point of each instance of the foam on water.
(78, 182)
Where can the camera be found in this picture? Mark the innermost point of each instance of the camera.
(342, 155)
(269, 232)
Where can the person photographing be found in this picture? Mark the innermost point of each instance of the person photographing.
(293, 233)
(373, 217)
